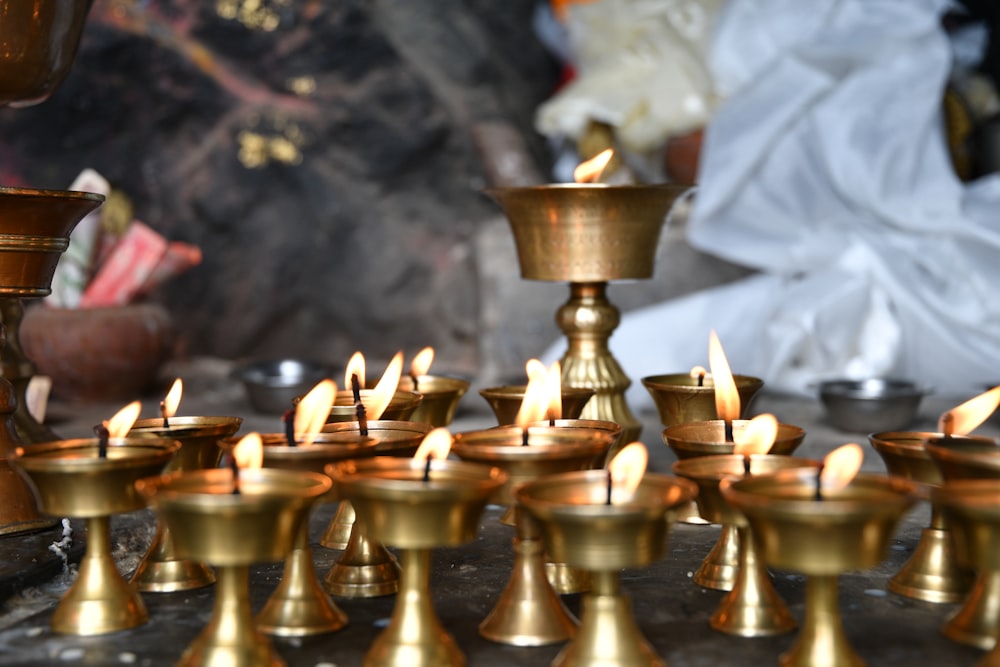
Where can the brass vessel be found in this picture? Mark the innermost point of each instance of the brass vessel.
(207, 520)
(416, 507)
(849, 529)
(931, 574)
(505, 401)
(588, 235)
(708, 438)
(401, 406)
(299, 606)
(72, 479)
(680, 399)
(529, 612)
(366, 568)
(440, 397)
(581, 529)
(160, 570)
(752, 608)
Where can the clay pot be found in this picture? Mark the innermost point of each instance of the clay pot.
(98, 354)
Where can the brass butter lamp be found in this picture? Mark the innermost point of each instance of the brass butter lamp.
(589, 234)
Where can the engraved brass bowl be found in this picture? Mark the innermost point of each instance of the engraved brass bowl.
(679, 399)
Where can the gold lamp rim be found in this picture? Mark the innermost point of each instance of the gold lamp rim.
(187, 426)
(11, 191)
(401, 479)
(209, 490)
(47, 456)
(672, 492)
(505, 444)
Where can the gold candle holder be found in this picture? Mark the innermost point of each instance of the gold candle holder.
(588, 235)
(708, 438)
(366, 568)
(679, 398)
(72, 479)
(849, 529)
(299, 606)
(400, 507)
(972, 509)
(440, 397)
(977, 621)
(752, 608)
(581, 529)
(505, 401)
(160, 570)
(401, 406)
(529, 612)
(232, 531)
(931, 574)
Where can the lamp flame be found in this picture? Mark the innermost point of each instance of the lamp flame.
(435, 445)
(536, 398)
(758, 436)
(727, 399)
(699, 372)
(591, 170)
(841, 466)
(249, 452)
(313, 410)
(381, 395)
(120, 424)
(553, 389)
(964, 418)
(422, 362)
(173, 399)
(625, 471)
(355, 366)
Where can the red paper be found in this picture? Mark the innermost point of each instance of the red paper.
(127, 267)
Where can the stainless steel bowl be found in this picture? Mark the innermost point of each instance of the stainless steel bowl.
(872, 405)
(272, 385)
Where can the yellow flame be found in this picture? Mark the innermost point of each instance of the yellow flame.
(727, 399)
(381, 395)
(355, 366)
(173, 398)
(119, 425)
(313, 411)
(627, 469)
(249, 452)
(435, 444)
(553, 388)
(757, 437)
(699, 371)
(421, 363)
(964, 418)
(841, 466)
(591, 170)
(535, 401)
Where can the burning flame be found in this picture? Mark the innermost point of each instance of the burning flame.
(435, 445)
(626, 470)
(840, 466)
(727, 399)
(119, 425)
(173, 399)
(553, 389)
(313, 410)
(536, 398)
(422, 362)
(249, 451)
(757, 437)
(964, 418)
(591, 170)
(355, 366)
(381, 395)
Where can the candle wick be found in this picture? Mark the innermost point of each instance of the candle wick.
(236, 475)
(610, 484)
(416, 382)
(728, 427)
(288, 419)
(356, 387)
(427, 470)
(524, 437)
(746, 465)
(101, 431)
(819, 483)
(359, 407)
(701, 379)
(163, 413)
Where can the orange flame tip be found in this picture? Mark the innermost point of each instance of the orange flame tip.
(727, 399)
(121, 423)
(627, 469)
(313, 411)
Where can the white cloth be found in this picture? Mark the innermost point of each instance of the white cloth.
(826, 168)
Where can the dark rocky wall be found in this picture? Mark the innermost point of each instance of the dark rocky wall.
(322, 154)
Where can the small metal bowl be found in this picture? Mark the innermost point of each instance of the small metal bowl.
(272, 385)
(872, 405)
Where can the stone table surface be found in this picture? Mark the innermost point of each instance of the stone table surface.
(672, 611)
